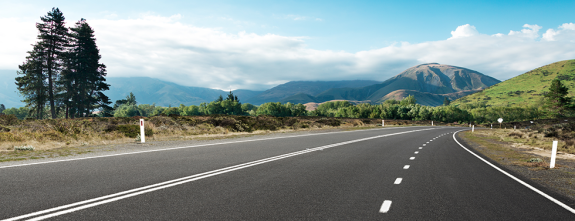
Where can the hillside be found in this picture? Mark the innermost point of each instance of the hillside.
(430, 82)
(283, 92)
(8, 90)
(525, 89)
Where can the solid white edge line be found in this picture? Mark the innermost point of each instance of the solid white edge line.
(170, 183)
(398, 180)
(200, 145)
(515, 178)
(385, 206)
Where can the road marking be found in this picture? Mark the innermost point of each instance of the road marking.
(412, 158)
(398, 181)
(516, 179)
(424, 145)
(57, 211)
(416, 152)
(430, 140)
(175, 148)
(406, 167)
(385, 206)
(420, 148)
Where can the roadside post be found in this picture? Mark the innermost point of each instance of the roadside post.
(431, 123)
(500, 120)
(142, 134)
(382, 123)
(473, 128)
(492, 126)
(553, 154)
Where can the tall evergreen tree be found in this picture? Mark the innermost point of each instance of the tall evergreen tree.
(53, 40)
(557, 101)
(446, 101)
(2, 108)
(31, 82)
(83, 77)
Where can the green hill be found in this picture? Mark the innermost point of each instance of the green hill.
(526, 89)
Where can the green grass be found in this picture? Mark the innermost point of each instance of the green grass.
(526, 89)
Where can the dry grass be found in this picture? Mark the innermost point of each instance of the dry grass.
(528, 138)
(62, 137)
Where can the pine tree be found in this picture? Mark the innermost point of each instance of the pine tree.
(446, 101)
(83, 77)
(131, 99)
(2, 108)
(32, 82)
(557, 101)
(53, 39)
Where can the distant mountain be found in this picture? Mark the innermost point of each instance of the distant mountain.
(526, 89)
(283, 92)
(9, 95)
(430, 82)
(162, 93)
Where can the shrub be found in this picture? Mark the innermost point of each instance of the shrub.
(516, 134)
(8, 119)
(131, 131)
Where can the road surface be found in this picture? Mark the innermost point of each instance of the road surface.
(408, 173)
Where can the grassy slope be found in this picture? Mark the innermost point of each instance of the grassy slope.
(525, 89)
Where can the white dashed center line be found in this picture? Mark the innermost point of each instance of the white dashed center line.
(385, 206)
(424, 145)
(398, 181)
(420, 148)
(412, 158)
(406, 167)
(416, 152)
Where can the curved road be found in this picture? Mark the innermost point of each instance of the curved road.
(409, 173)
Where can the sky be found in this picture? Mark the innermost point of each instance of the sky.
(257, 45)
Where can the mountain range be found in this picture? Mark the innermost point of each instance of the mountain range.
(429, 83)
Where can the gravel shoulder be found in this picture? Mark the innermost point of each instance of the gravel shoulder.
(558, 182)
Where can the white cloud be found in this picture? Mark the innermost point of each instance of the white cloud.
(164, 48)
(566, 32)
(464, 31)
(529, 31)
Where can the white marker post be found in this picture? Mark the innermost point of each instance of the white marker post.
(492, 126)
(514, 127)
(473, 128)
(431, 123)
(142, 134)
(553, 154)
(383, 123)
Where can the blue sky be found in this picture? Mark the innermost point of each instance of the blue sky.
(259, 44)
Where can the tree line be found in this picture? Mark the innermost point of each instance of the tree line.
(556, 104)
(63, 70)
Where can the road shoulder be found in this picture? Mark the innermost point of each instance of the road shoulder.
(558, 182)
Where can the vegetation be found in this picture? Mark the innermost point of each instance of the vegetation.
(63, 70)
(525, 90)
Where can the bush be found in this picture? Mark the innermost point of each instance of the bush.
(131, 131)
(8, 119)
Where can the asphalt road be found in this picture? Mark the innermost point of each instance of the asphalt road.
(410, 173)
